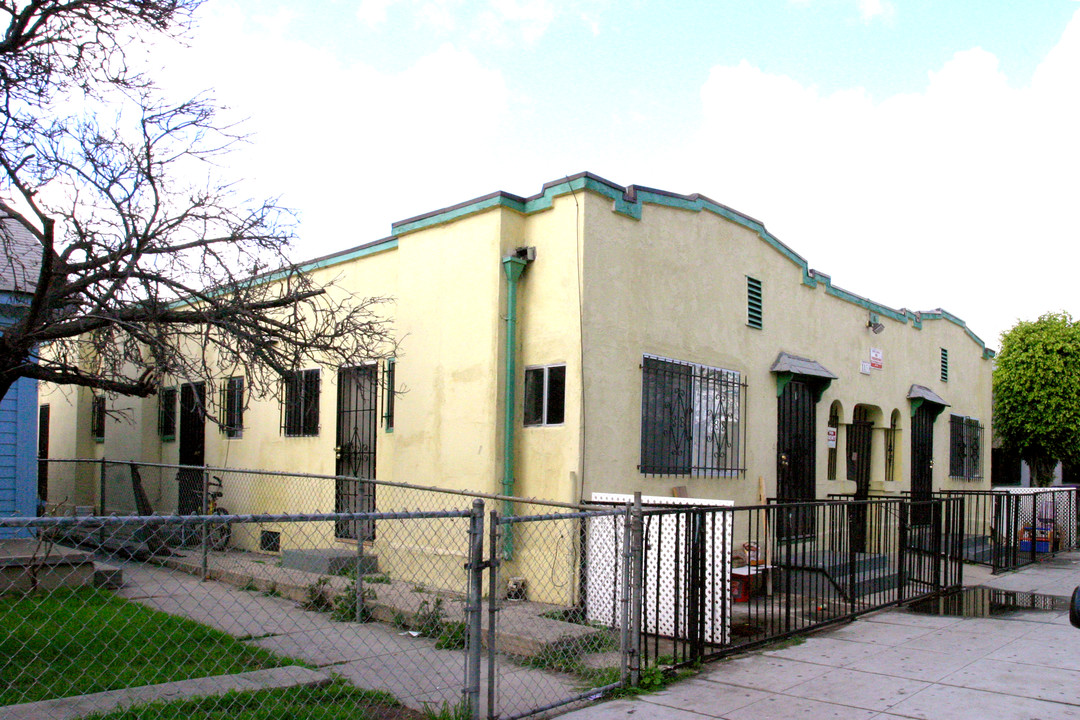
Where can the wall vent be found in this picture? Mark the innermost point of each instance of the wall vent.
(754, 308)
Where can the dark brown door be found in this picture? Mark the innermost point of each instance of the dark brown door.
(795, 458)
(858, 461)
(357, 428)
(192, 447)
(922, 463)
(43, 456)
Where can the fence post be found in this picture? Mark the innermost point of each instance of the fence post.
(938, 520)
(358, 585)
(101, 486)
(474, 608)
(493, 608)
(852, 520)
(637, 548)
(904, 505)
(204, 529)
(625, 600)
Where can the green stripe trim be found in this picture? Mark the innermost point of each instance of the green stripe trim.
(630, 201)
(381, 246)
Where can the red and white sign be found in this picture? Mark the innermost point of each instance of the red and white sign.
(830, 437)
(876, 358)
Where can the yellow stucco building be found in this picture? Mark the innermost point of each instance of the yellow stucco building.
(663, 343)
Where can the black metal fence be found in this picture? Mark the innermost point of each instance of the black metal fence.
(1007, 529)
(720, 579)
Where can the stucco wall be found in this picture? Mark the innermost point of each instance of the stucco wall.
(673, 284)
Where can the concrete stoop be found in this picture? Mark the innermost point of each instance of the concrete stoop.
(26, 564)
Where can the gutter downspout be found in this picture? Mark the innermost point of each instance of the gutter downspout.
(513, 266)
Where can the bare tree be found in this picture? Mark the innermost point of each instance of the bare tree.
(136, 259)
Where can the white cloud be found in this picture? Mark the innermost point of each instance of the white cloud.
(870, 9)
(505, 20)
(351, 147)
(960, 196)
(372, 13)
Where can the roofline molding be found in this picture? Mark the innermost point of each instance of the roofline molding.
(629, 201)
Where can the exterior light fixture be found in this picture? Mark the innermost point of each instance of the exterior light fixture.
(874, 324)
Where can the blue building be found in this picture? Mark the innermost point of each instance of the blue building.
(20, 256)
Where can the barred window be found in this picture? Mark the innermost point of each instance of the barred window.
(691, 419)
(167, 414)
(300, 404)
(97, 418)
(965, 448)
(232, 406)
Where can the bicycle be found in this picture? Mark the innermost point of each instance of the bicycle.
(217, 534)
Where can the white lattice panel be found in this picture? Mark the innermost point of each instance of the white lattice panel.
(1055, 506)
(666, 558)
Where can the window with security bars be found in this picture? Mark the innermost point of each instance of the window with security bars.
(300, 404)
(834, 425)
(167, 414)
(97, 418)
(232, 407)
(754, 304)
(890, 449)
(965, 448)
(691, 419)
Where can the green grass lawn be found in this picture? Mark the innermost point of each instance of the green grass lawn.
(77, 641)
(337, 701)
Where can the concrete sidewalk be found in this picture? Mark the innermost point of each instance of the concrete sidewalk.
(1023, 665)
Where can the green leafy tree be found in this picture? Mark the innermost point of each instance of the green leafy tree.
(1037, 393)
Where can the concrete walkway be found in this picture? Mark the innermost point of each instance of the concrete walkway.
(373, 655)
(103, 702)
(1023, 665)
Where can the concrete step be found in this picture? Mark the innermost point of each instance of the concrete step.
(108, 577)
(835, 564)
(103, 702)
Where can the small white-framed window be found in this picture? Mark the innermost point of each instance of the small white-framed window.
(545, 395)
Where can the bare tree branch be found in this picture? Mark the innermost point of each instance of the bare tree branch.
(144, 263)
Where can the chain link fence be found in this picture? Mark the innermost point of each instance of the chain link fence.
(267, 600)
(377, 601)
(181, 633)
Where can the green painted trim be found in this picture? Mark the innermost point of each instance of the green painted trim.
(916, 403)
(819, 384)
(820, 388)
(331, 260)
(782, 380)
(513, 267)
(327, 261)
(630, 201)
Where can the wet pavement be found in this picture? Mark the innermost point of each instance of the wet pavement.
(1003, 650)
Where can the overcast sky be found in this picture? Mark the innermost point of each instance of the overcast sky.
(924, 153)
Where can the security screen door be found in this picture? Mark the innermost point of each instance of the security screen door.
(357, 426)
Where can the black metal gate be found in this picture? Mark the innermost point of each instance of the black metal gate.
(795, 458)
(192, 448)
(858, 462)
(922, 463)
(357, 426)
